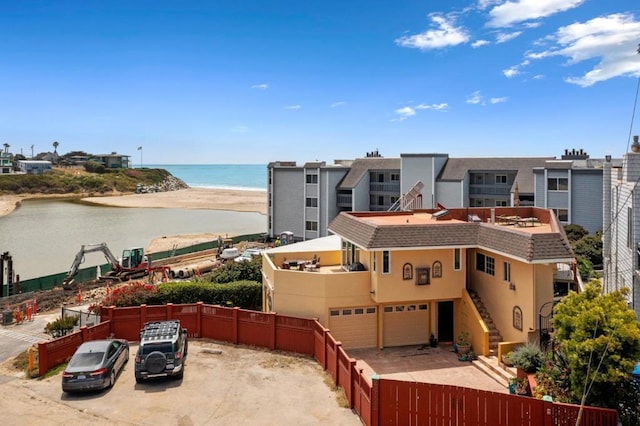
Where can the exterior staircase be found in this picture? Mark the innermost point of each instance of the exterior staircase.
(490, 364)
(494, 333)
(410, 200)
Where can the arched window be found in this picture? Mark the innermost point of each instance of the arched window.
(437, 269)
(407, 271)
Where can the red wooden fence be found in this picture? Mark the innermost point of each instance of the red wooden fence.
(377, 401)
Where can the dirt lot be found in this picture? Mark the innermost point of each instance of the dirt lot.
(222, 385)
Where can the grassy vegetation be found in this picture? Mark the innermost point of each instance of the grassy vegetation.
(77, 181)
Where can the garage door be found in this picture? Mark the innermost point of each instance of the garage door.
(355, 327)
(406, 324)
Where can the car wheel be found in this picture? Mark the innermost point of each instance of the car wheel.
(126, 357)
(112, 378)
(138, 379)
(180, 375)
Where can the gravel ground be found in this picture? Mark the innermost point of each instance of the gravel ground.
(223, 384)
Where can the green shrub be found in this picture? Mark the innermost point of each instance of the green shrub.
(528, 357)
(243, 294)
(238, 271)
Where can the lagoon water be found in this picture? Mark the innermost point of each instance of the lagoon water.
(43, 236)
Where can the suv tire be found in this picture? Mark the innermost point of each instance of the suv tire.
(156, 362)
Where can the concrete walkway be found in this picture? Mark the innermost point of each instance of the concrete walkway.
(439, 365)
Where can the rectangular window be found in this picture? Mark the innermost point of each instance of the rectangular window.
(386, 262)
(457, 253)
(334, 312)
(388, 309)
(506, 271)
(373, 261)
(380, 177)
(501, 203)
(358, 311)
(312, 202)
(380, 200)
(311, 225)
(395, 177)
(501, 179)
(346, 312)
(558, 184)
(312, 178)
(562, 214)
(371, 310)
(485, 264)
(400, 308)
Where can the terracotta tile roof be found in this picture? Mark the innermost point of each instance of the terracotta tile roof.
(371, 234)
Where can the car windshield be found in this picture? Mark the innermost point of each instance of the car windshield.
(86, 359)
(164, 347)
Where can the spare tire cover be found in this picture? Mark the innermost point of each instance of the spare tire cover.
(156, 362)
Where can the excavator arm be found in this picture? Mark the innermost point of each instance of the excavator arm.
(79, 259)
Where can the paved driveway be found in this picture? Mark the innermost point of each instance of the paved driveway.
(438, 365)
(222, 385)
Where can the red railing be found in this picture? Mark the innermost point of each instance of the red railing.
(377, 401)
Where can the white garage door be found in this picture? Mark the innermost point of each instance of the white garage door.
(355, 327)
(406, 324)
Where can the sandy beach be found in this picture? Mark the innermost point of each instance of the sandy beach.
(190, 198)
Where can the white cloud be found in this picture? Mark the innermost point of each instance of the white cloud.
(405, 113)
(338, 104)
(444, 33)
(498, 100)
(475, 98)
(511, 72)
(479, 43)
(515, 11)
(262, 86)
(437, 107)
(538, 77)
(483, 4)
(504, 37)
(293, 107)
(611, 41)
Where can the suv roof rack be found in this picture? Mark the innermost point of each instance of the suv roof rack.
(159, 330)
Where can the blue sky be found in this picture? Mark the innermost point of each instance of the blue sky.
(259, 81)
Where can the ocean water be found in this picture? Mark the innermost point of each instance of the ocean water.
(227, 176)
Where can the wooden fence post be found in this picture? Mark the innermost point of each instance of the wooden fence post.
(375, 397)
(84, 333)
(169, 311)
(272, 341)
(199, 306)
(143, 315)
(236, 326)
(43, 358)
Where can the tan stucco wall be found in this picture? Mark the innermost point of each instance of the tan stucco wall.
(533, 287)
(392, 287)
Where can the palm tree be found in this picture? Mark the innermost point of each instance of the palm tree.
(6, 147)
(56, 144)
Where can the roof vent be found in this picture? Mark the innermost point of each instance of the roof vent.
(440, 214)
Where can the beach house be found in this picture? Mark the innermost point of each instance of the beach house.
(397, 278)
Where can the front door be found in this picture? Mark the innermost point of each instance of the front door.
(445, 321)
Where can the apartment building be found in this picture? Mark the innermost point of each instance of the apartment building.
(621, 226)
(305, 204)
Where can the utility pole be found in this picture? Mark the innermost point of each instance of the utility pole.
(32, 152)
(140, 149)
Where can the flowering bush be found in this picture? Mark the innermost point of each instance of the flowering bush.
(132, 294)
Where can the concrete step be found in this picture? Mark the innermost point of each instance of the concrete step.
(490, 366)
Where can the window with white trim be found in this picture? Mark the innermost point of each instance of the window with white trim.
(457, 259)
(501, 179)
(506, 271)
(311, 225)
(312, 202)
(486, 264)
(312, 178)
(386, 262)
(557, 184)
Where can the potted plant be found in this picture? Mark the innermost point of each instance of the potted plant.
(433, 341)
(462, 344)
(61, 326)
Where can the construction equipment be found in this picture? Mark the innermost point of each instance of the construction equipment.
(133, 264)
